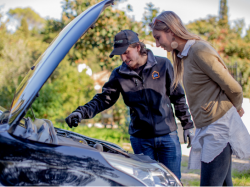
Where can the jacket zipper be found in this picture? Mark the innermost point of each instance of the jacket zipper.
(141, 78)
(147, 102)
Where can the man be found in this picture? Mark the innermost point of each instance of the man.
(145, 82)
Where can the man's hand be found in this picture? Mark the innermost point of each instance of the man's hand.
(188, 134)
(73, 119)
(241, 112)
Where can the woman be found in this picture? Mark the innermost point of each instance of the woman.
(214, 98)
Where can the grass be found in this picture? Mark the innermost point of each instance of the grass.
(241, 178)
(192, 182)
(107, 134)
(195, 171)
(184, 164)
(195, 182)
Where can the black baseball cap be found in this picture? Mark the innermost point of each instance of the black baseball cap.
(122, 40)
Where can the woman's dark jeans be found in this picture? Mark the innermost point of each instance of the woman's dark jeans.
(218, 172)
(165, 149)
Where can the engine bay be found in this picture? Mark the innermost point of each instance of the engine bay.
(42, 130)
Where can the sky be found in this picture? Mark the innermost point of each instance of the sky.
(188, 10)
(45, 8)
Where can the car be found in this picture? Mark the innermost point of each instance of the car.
(34, 152)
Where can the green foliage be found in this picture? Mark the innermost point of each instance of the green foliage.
(184, 164)
(241, 178)
(207, 27)
(33, 19)
(121, 116)
(247, 36)
(48, 105)
(193, 182)
(223, 14)
(51, 30)
(63, 93)
(24, 28)
(17, 54)
(238, 26)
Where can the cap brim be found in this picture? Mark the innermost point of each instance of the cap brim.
(118, 51)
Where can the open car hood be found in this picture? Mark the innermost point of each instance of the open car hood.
(28, 90)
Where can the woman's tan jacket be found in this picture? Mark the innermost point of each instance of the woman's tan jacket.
(211, 90)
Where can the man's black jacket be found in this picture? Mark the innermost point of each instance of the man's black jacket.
(149, 98)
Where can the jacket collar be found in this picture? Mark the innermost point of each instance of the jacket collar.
(151, 61)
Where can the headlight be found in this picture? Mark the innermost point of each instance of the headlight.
(151, 174)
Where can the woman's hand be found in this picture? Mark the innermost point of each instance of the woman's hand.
(241, 112)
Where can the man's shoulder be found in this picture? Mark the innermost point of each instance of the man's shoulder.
(115, 72)
(162, 60)
(117, 69)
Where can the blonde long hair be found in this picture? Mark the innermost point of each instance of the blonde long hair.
(169, 21)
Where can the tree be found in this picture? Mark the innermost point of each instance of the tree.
(247, 36)
(24, 28)
(51, 30)
(17, 54)
(62, 93)
(239, 26)
(150, 13)
(223, 14)
(32, 18)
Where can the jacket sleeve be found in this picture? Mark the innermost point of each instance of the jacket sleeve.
(178, 99)
(209, 62)
(108, 97)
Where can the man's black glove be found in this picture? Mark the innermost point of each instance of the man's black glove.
(73, 119)
(188, 134)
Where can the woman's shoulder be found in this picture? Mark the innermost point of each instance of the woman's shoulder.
(201, 44)
(202, 47)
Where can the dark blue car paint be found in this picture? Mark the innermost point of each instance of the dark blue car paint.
(26, 162)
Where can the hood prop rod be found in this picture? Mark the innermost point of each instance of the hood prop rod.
(33, 112)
